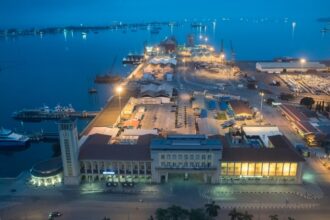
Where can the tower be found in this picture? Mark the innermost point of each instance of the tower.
(69, 150)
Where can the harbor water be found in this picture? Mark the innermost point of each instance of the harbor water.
(60, 68)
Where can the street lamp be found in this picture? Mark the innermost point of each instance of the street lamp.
(302, 62)
(119, 90)
(157, 49)
(262, 94)
(222, 56)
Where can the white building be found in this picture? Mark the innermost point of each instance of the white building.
(69, 151)
(185, 157)
(279, 67)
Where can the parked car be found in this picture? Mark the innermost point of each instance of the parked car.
(53, 215)
(229, 123)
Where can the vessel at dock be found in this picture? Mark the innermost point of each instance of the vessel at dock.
(10, 140)
(107, 78)
(46, 113)
(134, 59)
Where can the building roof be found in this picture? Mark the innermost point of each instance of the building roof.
(240, 107)
(262, 131)
(291, 65)
(283, 151)
(104, 130)
(306, 127)
(293, 112)
(186, 142)
(97, 147)
(47, 168)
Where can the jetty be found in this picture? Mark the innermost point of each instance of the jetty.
(36, 116)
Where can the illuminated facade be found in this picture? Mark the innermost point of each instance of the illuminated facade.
(276, 162)
(47, 173)
(288, 172)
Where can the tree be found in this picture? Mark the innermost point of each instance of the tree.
(234, 214)
(245, 216)
(270, 101)
(290, 218)
(177, 213)
(273, 217)
(161, 214)
(212, 209)
(307, 101)
(197, 214)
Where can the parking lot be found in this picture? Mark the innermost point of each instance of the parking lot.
(159, 116)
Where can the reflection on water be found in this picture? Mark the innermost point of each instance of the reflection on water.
(60, 68)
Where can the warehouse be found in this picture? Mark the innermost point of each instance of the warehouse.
(279, 67)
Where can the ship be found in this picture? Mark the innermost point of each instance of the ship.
(37, 114)
(11, 140)
(92, 91)
(107, 78)
(134, 59)
(286, 59)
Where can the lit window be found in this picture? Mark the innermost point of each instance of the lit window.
(272, 169)
(293, 169)
(257, 171)
(244, 169)
(238, 169)
(231, 167)
(265, 169)
(279, 169)
(251, 169)
(286, 169)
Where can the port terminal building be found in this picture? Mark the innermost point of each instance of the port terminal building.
(262, 157)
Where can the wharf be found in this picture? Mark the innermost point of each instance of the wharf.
(110, 113)
(36, 137)
(41, 116)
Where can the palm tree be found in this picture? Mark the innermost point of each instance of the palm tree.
(234, 214)
(273, 217)
(161, 214)
(212, 209)
(245, 216)
(197, 214)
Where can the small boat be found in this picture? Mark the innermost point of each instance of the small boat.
(11, 140)
(92, 91)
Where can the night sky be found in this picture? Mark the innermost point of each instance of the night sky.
(17, 13)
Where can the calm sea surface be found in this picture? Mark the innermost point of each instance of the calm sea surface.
(59, 69)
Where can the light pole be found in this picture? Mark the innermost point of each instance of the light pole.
(261, 101)
(157, 49)
(119, 90)
(302, 62)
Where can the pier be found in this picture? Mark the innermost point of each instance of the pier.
(36, 116)
(41, 136)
